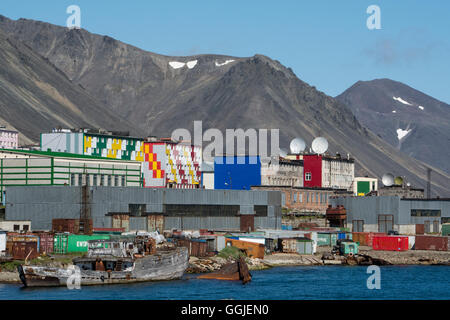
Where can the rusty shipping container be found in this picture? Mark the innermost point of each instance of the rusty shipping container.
(431, 243)
(288, 245)
(251, 249)
(24, 249)
(365, 238)
(46, 241)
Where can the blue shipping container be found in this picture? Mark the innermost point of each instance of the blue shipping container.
(237, 172)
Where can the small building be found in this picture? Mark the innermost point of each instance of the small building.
(237, 172)
(386, 213)
(364, 185)
(16, 225)
(302, 199)
(284, 173)
(9, 139)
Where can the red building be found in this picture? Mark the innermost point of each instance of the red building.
(312, 170)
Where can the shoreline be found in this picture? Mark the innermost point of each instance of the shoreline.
(211, 264)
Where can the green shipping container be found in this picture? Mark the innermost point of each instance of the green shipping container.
(60, 243)
(79, 243)
(327, 239)
(446, 229)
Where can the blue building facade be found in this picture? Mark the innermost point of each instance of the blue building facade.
(237, 172)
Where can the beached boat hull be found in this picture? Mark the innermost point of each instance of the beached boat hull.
(162, 266)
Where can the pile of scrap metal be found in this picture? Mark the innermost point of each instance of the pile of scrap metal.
(233, 271)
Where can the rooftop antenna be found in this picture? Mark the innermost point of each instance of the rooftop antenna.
(297, 145)
(388, 179)
(320, 145)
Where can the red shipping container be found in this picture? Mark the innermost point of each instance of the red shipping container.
(390, 243)
(431, 243)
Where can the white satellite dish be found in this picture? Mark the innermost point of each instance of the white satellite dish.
(297, 145)
(388, 179)
(283, 153)
(319, 145)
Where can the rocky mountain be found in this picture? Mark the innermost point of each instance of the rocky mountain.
(160, 94)
(408, 119)
(35, 96)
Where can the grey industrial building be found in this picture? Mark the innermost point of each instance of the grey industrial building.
(182, 209)
(385, 213)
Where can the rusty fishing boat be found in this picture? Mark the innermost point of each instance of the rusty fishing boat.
(112, 262)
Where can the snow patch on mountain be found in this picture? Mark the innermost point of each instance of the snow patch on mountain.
(402, 133)
(192, 64)
(224, 63)
(421, 108)
(176, 64)
(394, 111)
(402, 101)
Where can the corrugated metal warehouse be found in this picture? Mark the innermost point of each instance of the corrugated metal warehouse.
(182, 209)
(384, 213)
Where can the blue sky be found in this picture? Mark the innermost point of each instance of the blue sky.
(325, 42)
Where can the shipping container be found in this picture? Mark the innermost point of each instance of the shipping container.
(254, 239)
(60, 243)
(326, 239)
(255, 250)
(305, 246)
(46, 241)
(22, 250)
(79, 243)
(446, 229)
(155, 222)
(288, 245)
(220, 243)
(390, 243)
(365, 238)
(349, 248)
(431, 243)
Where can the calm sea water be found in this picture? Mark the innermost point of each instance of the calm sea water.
(281, 283)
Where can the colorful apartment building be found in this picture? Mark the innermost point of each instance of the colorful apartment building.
(165, 164)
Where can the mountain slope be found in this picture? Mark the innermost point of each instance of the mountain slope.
(160, 94)
(35, 96)
(408, 119)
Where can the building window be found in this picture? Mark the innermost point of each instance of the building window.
(385, 223)
(16, 227)
(295, 197)
(307, 197)
(88, 180)
(25, 227)
(436, 226)
(109, 180)
(124, 181)
(72, 179)
(317, 197)
(95, 180)
(102, 179)
(116, 181)
(427, 226)
(358, 225)
(308, 176)
(80, 179)
(300, 197)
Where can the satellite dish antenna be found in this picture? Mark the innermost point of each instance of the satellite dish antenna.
(319, 145)
(283, 153)
(388, 179)
(297, 145)
(398, 181)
